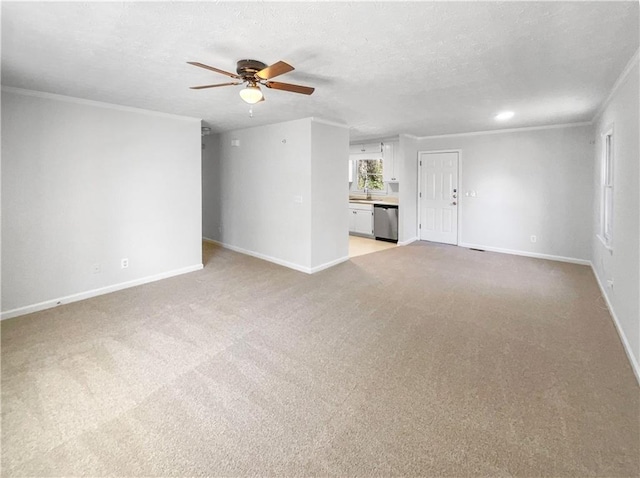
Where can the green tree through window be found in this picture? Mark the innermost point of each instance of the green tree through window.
(370, 174)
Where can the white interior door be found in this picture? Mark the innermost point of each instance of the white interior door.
(439, 197)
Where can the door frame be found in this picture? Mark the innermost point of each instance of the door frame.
(419, 207)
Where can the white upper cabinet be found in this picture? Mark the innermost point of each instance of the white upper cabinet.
(359, 148)
(391, 167)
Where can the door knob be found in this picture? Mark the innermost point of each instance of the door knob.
(454, 203)
(455, 196)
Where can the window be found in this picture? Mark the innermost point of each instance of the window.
(369, 174)
(607, 189)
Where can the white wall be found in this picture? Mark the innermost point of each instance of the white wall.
(87, 184)
(408, 213)
(260, 180)
(528, 182)
(622, 265)
(211, 186)
(329, 194)
(264, 192)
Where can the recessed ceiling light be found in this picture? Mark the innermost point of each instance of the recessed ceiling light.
(505, 115)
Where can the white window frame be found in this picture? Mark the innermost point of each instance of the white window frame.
(607, 185)
(373, 192)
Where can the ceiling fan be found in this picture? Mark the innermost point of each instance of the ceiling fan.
(255, 73)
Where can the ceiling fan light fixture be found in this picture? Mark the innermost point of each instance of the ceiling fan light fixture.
(251, 94)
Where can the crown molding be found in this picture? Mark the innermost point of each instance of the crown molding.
(98, 104)
(510, 130)
(619, 82)
(315, 119)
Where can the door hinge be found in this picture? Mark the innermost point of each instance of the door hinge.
(420, 163)
(419, 226)
(420, 194)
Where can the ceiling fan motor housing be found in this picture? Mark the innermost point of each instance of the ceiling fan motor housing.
(248, 68)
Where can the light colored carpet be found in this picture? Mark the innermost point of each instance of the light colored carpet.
(420, 360)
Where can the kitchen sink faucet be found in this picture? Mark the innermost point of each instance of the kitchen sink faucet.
(367, 194)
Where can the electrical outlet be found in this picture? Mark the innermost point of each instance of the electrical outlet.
(534, 238)
(124, 263)
(96, 268)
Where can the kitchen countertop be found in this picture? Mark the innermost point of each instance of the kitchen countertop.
(373, 201)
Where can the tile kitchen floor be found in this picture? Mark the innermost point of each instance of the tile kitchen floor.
(359, 246)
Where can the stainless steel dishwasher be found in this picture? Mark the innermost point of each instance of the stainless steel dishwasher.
(385, 222)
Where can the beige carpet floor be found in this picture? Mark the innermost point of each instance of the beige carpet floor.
(424, 360)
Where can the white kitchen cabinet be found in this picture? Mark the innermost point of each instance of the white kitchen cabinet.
(352, 220)
(350, 171)
(364, 222)
(361, 219)
(390, 167)
(359, 148)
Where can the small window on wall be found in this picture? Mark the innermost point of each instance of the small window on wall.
(607, 189)
(369, 173)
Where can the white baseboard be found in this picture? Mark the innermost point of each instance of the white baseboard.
(407, 242)
(326, 265)
(9, 314)
(264, 257)
(537, 255)
(275, 260)
(623, 338)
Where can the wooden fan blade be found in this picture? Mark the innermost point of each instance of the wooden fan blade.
(274, 70)
(305, 90)
(207, 67)
(214, 86)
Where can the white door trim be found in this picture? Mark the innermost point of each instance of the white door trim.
(418, 208)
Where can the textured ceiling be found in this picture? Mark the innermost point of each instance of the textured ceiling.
(421, 68)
